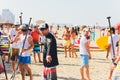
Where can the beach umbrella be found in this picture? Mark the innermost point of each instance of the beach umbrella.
(40, 21)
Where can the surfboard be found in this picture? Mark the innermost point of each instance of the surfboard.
(102, 42)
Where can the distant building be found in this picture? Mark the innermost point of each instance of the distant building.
(7, 17)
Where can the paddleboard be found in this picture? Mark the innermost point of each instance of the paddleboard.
(102, 42)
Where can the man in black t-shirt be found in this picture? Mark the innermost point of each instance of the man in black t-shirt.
(50, 59)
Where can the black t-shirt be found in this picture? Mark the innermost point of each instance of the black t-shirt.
(50, 48)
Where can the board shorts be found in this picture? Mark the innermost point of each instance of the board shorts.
(24, 59)
(116, 73)
(36, 48)
(15, 53)
(49, 73)
(84, 60)
(66, 43)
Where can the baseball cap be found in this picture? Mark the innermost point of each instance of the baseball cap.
(44, 26)
(85, 29)
(117, 26)
(24, 27)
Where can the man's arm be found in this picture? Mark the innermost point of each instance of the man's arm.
(30, 40)
(88, 49)
(9, 39)
(49, 41)
(48, 57)
(117, 49)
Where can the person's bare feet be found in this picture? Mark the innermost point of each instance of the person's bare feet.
(40, 61)
(35, 61)
(70, 56)
(109, 79)
(65, 56)
(83, 79)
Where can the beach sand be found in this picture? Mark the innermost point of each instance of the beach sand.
(69, 68)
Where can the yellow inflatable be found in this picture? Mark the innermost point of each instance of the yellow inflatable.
(102, 42)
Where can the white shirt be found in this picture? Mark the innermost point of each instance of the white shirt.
(83, 50)
(26, 45)
(115, 39)
(12, 34)
(42, 39)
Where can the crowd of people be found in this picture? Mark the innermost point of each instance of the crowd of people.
(24, 40)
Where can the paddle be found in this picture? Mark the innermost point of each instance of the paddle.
(1, 53)
(13, 76)
(109, 22)
(20, 18)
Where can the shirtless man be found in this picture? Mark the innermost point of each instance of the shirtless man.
(66, 43)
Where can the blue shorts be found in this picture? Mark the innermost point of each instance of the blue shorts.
(84, 60)
(116, 73)
(116, 78)
(36, 49)
(24, 59)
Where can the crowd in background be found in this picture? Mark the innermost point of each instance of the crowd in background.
(70, 36)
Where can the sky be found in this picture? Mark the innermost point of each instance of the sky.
(76, 12)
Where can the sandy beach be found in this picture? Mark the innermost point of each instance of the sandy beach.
(69, 68)
(26, 24)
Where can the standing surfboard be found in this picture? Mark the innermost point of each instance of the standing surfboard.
(102, 42)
